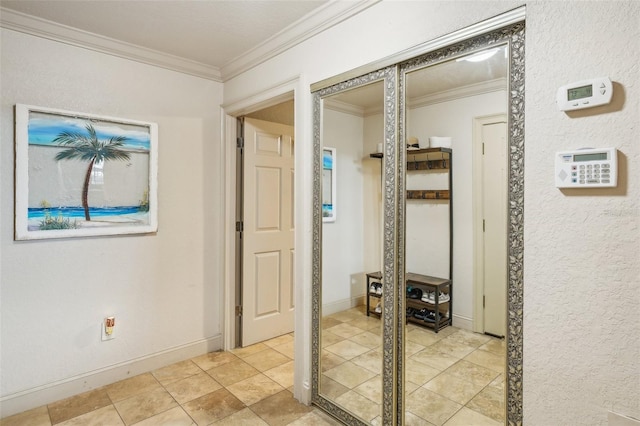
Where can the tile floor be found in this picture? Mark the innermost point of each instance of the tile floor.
(248, 386)
(454, 378)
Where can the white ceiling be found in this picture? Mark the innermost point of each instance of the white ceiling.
(214, 37)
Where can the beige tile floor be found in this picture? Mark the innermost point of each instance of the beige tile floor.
(454, 378)
(248, 386)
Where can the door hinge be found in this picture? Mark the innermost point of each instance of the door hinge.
(240, 142)
(483, 300)
(239, 226)
(483, 223)
(239, 311)
(482, 148)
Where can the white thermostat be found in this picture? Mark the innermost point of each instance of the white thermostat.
(585, 94)
(587, 168)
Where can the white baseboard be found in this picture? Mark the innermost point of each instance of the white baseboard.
(462, 322)
(342, 305)
(48, 393)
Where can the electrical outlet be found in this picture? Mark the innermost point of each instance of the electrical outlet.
(108, 328)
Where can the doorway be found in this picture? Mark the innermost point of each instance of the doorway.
(295, 91)
(490, 172)
(265, 229)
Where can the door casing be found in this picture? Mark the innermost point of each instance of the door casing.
(297, 88)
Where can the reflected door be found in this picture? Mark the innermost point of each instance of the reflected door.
(268, 237)
(494, 195)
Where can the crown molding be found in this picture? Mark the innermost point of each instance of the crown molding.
(344, 107)
(39, 27)
(313, 23)
(447, 95)
(317, 21)
(459, 93)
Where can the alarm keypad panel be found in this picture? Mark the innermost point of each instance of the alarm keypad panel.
(587, 168)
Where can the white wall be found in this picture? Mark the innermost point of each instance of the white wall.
(372, 192)
(164, 289)
(342, 240)
(581, 276)
(352, 244)
(427, 221)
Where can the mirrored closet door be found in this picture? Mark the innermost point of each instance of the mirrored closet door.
(417, 256)
(455, 360)
(353, 120)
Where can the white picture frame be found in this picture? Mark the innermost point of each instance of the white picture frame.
(83, 175)
(328, 184)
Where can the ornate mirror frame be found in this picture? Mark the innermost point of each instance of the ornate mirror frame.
(509, 29)
(391, 201)
(513, 36)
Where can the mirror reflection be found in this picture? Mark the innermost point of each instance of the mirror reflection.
(456, 239)
(352, 289)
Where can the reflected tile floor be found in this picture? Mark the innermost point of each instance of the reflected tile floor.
(454, 377)
(247, 386)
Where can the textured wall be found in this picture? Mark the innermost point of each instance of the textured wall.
(582, 247)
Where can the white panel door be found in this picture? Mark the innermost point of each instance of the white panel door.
(494, 175)
(268, 236)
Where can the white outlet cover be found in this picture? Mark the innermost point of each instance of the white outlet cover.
(106, 336)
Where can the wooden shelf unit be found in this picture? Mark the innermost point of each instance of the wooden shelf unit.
(373, 277)
(443, 310)
(426, 160)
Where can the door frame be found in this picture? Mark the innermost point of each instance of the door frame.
(298, 89)
(478, 248)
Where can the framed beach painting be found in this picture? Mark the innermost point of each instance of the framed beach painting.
(83, 175)
(328, 184)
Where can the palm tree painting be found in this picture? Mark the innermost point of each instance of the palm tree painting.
(80, 175)
(89, 148)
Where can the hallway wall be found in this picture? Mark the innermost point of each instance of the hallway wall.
(164, 289)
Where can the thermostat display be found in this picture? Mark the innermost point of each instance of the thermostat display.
(587, 168)
(585, 94)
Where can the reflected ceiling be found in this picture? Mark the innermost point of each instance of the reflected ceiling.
(440, 80)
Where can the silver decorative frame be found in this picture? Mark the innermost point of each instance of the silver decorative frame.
(390, 243)
(512, 34)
